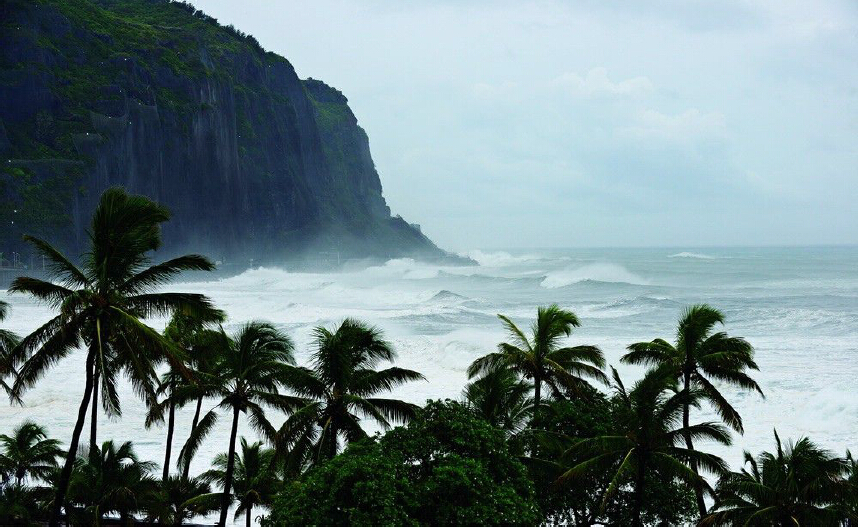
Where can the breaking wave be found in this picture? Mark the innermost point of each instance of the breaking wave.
(591, 272)
(689, 255)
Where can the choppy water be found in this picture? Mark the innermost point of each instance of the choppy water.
(797, 306)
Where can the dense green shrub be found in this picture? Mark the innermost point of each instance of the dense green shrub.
(445, 468)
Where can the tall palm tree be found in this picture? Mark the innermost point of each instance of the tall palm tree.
(8, 341)
(699, 356)
(502, 399)
(206, 345)
(254, 482)
(647, 440)
(101, 305)
(542, 359)
(178, 389)
(112, 479)
(339, 390)
(252, 367)
(28, 453)
(799, 484)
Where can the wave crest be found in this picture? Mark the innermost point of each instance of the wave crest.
(591, 272)
(689, 255)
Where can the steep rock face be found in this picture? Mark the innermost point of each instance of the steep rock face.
(155, 96)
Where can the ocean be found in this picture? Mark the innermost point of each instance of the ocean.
(798, 306)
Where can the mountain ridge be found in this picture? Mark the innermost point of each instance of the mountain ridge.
(158, 97)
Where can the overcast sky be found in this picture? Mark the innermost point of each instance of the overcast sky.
(593, 123)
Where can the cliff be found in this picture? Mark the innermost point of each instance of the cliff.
(158, 97)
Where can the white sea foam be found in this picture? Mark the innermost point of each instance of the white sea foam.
(498, 259)
(594, 272)
(800, 313)
(689, 255)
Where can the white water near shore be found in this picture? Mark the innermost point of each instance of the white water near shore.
(797, 306)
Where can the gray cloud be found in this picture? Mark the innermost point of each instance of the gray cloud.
(549, 123)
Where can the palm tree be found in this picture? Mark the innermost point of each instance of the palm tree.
(205, 347)
(251, 368)
(647, 440)
(21, 505)
(180, 499)
(8, 342)
(339, 390)
(699, 356)
(851, 499)
(28, 453)
(254, 482)
(541, 359)
(800, 484)
(185, 332)
(112, 479)
(502, 399)
(101, 305)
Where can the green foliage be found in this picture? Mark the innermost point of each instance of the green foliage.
(701, 355)
(445, 468)
(28, 460)
(580, 503)
(501, 399)
(8, 342)
(22, 505)
(644, 443)
(800, 484)
(542, 358)
(179, 499)
(110, 479)
(254, 482)
(28, 454)
(341, 388)
(101, 306)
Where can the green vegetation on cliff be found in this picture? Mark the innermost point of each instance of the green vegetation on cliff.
(158, 97)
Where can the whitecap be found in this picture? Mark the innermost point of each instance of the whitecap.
(498, 259)
(606, 272)
(689, 255)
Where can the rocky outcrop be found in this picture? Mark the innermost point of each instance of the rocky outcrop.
(157, 97)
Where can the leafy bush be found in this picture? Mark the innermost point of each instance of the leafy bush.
(445, 468)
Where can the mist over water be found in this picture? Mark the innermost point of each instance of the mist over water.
(797, 306)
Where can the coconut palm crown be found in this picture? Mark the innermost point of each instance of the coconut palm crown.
(542, 358)
(700, 359)
(341, 388)
(101, 305)
(800, 484)
(648, 438)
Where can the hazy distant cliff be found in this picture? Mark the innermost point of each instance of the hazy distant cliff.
(158, 97)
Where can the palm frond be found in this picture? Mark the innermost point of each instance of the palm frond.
(367, 382)
(47, 292)
(58, 264)
(394, 410)
(162, 273)
(189, 450)
(487, 363)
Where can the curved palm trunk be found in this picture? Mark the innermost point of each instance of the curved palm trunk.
(686, 411)
(168, 451)
(65, 475)
(230, 467)
(93, 419)
(247, 516)
(186, 470)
